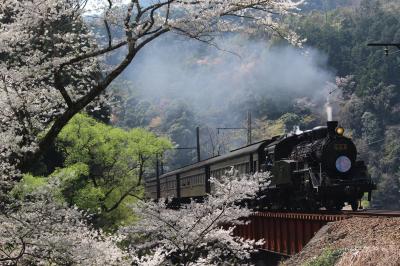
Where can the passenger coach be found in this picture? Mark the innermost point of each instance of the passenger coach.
(194, 180)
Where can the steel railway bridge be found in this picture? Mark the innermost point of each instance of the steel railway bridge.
(286, 233)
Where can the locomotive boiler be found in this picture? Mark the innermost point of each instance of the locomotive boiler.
(309, 170)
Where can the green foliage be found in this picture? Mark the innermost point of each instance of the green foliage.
(290, 120)
(327, 258)
(27, 185)
(89, 197)
(364, 201)
(325, 5)
(174, 119)
(344, 33)
(370, 127)
(103, 170)
(388, 193)
(268, 128)
(105, 167)
(179, 123)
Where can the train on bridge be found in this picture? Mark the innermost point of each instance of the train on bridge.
(309, 170)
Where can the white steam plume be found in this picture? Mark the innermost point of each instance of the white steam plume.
(210, 80)
(329, 112)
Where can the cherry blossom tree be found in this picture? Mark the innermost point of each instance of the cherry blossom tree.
(54, 65)
(199, 233)
(44, 232)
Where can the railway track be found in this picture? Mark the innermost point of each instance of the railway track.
(387, 213)
(345, 213)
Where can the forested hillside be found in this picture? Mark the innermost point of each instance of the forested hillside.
(278, 93)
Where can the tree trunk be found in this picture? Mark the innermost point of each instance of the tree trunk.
(31, 158)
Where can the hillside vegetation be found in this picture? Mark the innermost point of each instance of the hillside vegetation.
(366, 96)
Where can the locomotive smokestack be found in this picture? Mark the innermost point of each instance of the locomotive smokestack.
(332, 125)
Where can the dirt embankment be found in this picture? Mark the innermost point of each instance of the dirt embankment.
(355, 241)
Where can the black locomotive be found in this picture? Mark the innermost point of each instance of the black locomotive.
(313, 169)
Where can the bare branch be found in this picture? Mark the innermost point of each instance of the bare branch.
(106, 24)
(92, 54)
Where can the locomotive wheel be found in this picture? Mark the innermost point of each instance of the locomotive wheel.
(354, 205)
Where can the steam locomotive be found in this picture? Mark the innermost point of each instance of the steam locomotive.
(309, 170)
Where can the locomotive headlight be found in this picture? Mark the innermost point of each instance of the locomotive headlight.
(340, 131)
(343, 164)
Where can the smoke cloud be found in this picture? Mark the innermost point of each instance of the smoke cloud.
(208, 78)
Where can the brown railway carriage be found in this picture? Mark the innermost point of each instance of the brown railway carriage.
(194, 180)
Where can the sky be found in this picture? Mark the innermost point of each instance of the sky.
(95, 6)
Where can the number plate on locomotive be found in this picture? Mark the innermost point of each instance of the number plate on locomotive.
(340, 147)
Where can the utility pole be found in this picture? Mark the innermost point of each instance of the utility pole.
(158, 177)
(386, 45)
(198, 143)
(162, 164)
(248, 127)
